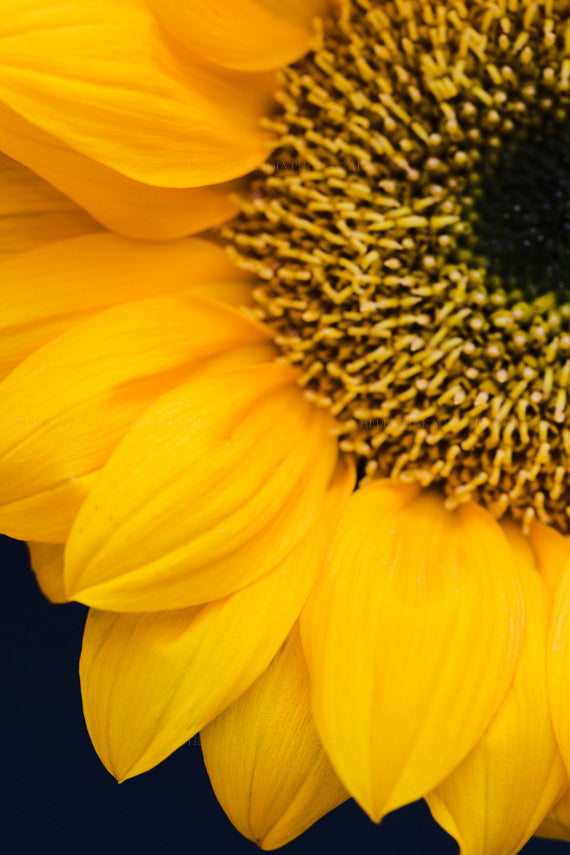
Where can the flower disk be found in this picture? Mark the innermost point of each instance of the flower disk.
(421, 161)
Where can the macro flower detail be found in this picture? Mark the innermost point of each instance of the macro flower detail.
(284, 393)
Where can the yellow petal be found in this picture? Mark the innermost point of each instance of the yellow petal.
(48, 515)
(64, 409)
(33, 213)
(220, 481)
(151, 681)
(494, 800)
(266, 763)
(129, 207)
(557, 824)
(251, 35)
(47, 564)
(552, 551)
(558, 665)
(105, 80)
(412, 635)
(40, 298)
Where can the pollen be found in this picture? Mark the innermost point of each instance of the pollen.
(410, 236)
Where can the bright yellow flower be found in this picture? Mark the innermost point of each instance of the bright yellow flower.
(318, 497)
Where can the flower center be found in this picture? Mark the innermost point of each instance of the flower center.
(409, 235)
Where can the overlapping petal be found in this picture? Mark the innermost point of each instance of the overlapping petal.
(266, 763)
(32, 212)
(106, 80)
(557, 824)
(47, 291)
(412, 636)
(552, 553)
(494, 800)
(49, 513)
(219, 482)
(64, 409)
(559, 664)
(251, 35)
(129, 207)
(150, 681)
(47, 563)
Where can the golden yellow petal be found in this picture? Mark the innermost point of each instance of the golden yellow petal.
(250, 35)
(47, 563)
(33, 213)
(552, 552)
(151, 681)
(223, 476)
(107, 81)
(558, 664)
(129, 207)
(412, 636)
(65, 408)
(265, 760)
(494, 800)
(47, 515)
(41, 299)
(557, 824)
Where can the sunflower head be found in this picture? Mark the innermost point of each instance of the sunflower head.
(228, 468)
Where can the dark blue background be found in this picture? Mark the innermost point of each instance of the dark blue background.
(58, 798)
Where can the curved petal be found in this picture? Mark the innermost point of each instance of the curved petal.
(266, 763)
(33, 213)
(556, 825)
(208, 502)
(494, 800)
(552, 551)
(64, 409)
(105, 80)
(47, 564)
(40, 297)
(412, 636)
(250, 35)
(48, 515)
(151, 681)
(558, 664)
(130, 207)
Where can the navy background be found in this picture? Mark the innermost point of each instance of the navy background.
(58, 797)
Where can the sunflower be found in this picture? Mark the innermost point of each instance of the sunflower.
(309, 468)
